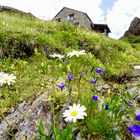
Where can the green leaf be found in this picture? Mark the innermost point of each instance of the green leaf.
(47, 138)
(68, 135)
(63, 134)
(41, 128)
(57, 133)
(57, 116)
(42, 131)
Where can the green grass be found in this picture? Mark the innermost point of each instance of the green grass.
(132, 39)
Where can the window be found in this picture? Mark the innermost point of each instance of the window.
(58, 19)
(70, 17)
(77, 24)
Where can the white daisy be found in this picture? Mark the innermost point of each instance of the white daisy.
(2, 76)
(75, 112)
(77, 53)
(59, 56)
(7, 78)
(136, 67)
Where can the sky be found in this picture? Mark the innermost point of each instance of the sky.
(118, 14)
(106, 5)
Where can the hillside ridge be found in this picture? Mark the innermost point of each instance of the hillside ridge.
(14, 10)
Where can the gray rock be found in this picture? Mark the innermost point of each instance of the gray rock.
(134, 90)
(134, 28)
(103, 88)
(23, 126)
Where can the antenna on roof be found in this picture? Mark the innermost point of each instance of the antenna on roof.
(105, 18)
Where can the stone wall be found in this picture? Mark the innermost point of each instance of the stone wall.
(79, 17)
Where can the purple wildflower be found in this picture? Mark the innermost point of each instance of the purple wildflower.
(122, 109)
(95, 98)
(68, 62)
(99, 70)
(137, 117)
(47, 52)
(61, 86)
(135, 130)
(135, 96)
(92, 81)
(107, 107)
(83, 73)
(70, 76)
(129, 103)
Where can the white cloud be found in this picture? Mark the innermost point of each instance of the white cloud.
(121, 15)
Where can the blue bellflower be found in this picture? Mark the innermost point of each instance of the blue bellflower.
(135, 130)
(47, 52)
(95, 98)
(137, 117)
(129, 103)
(61, 86)
(122, 109)
(99, 70)
(68, 63)
(92, 81)
(107, 107)
(135, 96)
(82, 75)
(70, 76)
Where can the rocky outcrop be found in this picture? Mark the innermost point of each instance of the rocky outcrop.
(10, 9)
(136, 71)
(20, 119)
(134, 28)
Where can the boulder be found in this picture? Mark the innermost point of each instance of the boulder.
(134, 28)
(20, 119)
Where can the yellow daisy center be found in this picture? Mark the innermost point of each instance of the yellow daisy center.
(74, 113)
(6, 79)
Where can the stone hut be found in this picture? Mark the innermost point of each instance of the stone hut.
(80, 19)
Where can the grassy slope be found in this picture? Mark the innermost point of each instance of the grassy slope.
(20, 35)
(134, 40)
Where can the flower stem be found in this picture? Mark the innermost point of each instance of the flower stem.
(11, 129)
(30, 118)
